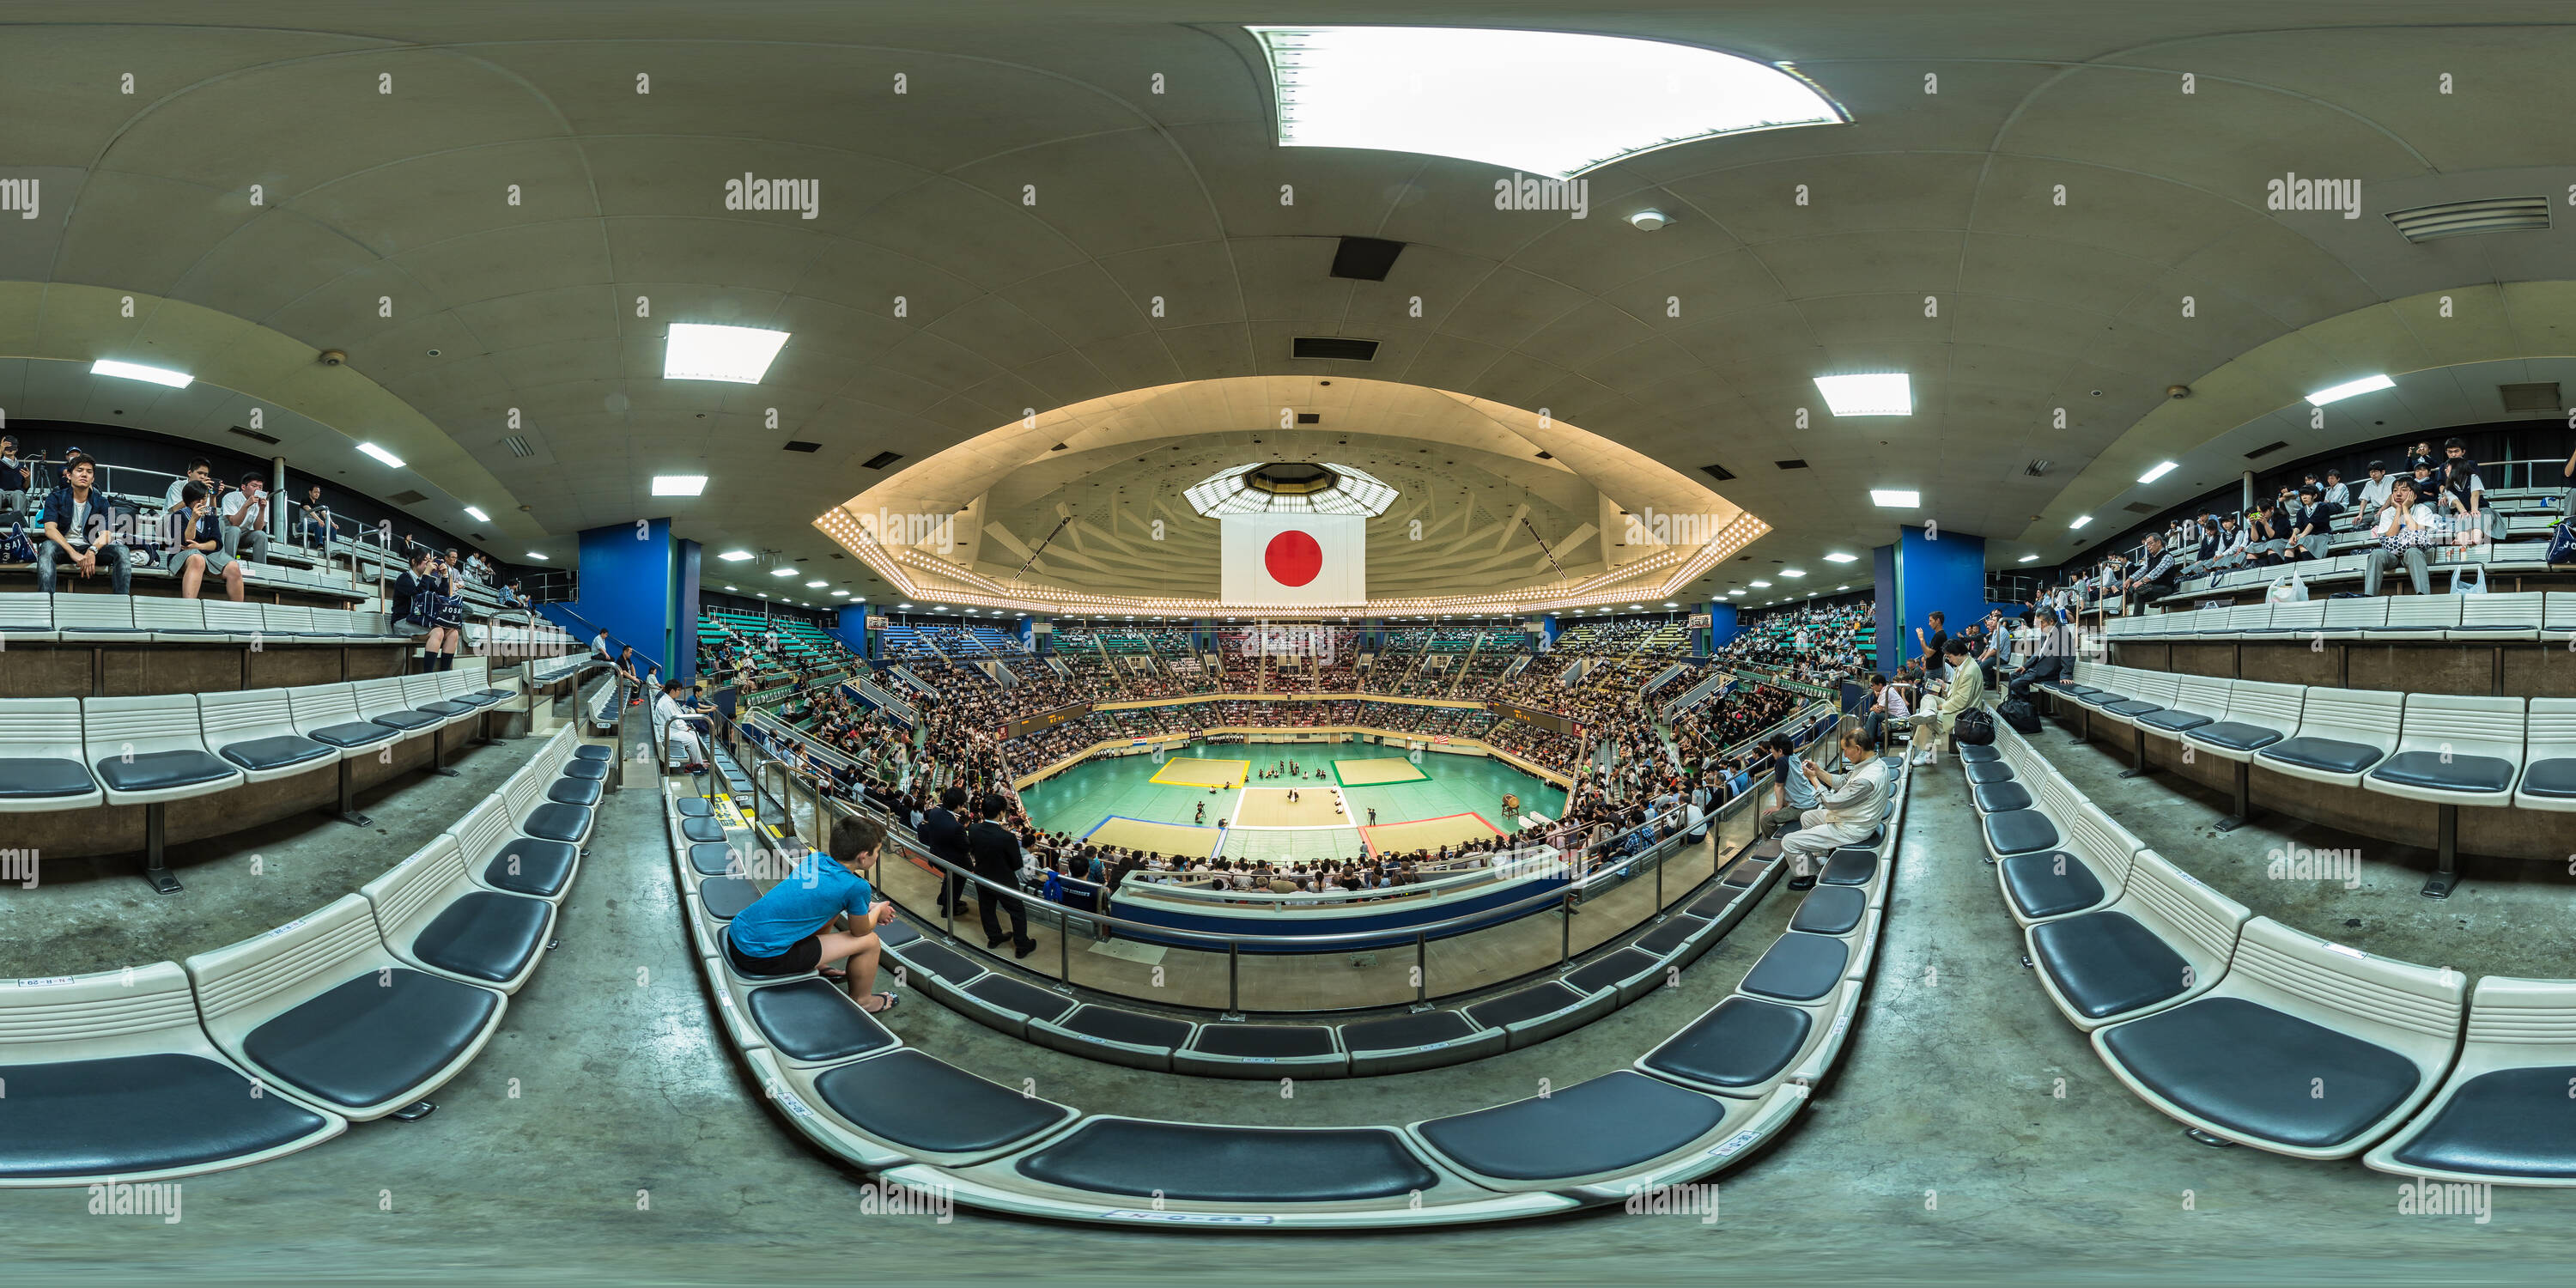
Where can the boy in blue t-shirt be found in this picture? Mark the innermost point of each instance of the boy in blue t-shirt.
(822, 911)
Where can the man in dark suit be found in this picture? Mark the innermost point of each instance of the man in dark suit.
(945, 834)
(997, 859)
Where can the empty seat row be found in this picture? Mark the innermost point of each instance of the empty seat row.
(146, 619)
(2491, 618)
(2452, 749)
(2526, 550)
(71, 753)
(2251, 1031)
(841, 1077)
(277, 1043)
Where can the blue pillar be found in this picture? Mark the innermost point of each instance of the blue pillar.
(1920, 575)
(1722, 626)
(850, 627)
(1548, 628)
(630, 587)
(684, 610)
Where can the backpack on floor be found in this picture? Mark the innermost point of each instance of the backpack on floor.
(2562, 543)
(2018, 713)
(15, 548)
(1974, 729)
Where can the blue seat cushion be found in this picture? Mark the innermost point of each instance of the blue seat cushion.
(2236, 735)
(2508, 1123)
(155, 771)
(530, 865)
(725, 897)
(405, 719)
(1971, 754)
(1514, 1007)
(1744, 1042)
(2176, 721)
(1849, 866)
(701, 830)
(1830, 910)
(1799, 968)
(575, 791)
(276, 753)
(2105, 963)
(813, 1021)
(2132, 707)
(556, 821)
(2020, 831)
(358, 733)
(2555, 777)
(2327, 754)
(2051, 884)
(373, 1037)
(1263, 1041)
(1135, 1028)
(711, 858)
(1199, 1163)
(593, 770)
(696, 807)
(2454, 773)
(2252, 1069)
(919, 1103)
(1994, 798)
(1396, 1032)
(33, 777)
(485, 935)
(135, 1114)
(1982, 772)
(1616, 1122)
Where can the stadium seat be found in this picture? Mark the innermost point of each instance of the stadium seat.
(149, 750)
(1263, 1051)
(2165, 940)
(903, 1106)
(328, 714)
(110, 1078)
(2342, 735)
(504, 860)
(2501, 1117)
(42, 763)
(1402, 1043)
(255, 730)
(323, 1012)
(26, 619)
(431, 915)
(2549, 774)
(1540, 1011)
(2251, 1060)
(1121, 1036)
(2455, 750)
(2258, 715)
(2090, 873)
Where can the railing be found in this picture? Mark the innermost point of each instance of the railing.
(1444, 965)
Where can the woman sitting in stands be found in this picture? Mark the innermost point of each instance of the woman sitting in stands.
(822, 912)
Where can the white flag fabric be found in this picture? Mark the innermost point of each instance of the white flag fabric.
(1294, 558)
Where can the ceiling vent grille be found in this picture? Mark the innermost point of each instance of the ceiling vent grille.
(2037, 467)
(2266, 450)
(1365, 259)
(800, 445)
(1310, 418)
(1333, 346)
(2143, 507)
(272, 439)
(2466, 218)
(881, 460)
(2540, 397)
(518, 446)
(406, 498)
(1718, 472)
(1791, 465)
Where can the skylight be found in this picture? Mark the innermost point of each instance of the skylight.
(739, 354)
(1549, 103)
(1886, 393)
(137, 371)
(2340, 392)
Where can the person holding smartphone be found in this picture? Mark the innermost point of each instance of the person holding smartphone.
(821, 911)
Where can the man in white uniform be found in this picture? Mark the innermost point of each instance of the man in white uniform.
(681, 727)
(1846, 807)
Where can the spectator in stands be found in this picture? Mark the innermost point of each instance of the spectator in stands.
(2406, 528)
(2374, 495)
(2464, 497)
(200, 472)
(246, 519)
(1792, 794)
(945, 833)
(443, 607)
(403, 594)
(80, 530)
(2567, 503)
(315, 526)
(996, 852)
(1931, 644)
(627, 679)
(1886, 702)
(1958, 693)
(2153, 580)
(2315, 532)
(1847, 808)
(510, 595)
(823, 911)
(683, 729)
(14, 483)
(2049, 657)
(2335, 491)
(197, 545)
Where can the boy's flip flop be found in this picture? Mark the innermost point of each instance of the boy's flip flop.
(890, 1000)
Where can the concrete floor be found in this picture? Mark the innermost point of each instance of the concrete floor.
(1969, 1136)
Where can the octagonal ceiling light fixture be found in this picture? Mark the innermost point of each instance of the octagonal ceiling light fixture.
(1467, 92)
(1272, 487)
(736, 354)
(1883, 393)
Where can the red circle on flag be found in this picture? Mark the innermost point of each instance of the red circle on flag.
(1293, 558)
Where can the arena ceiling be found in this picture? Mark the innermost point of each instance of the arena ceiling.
(476, 204)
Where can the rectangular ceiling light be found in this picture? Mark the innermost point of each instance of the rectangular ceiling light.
(538, 557)
(1761, 585)
(381, 454)
(479, 516)
(740, 354)
(136, 371)
(734, 556)
(813, 585)
(1838, 556)
(2080, 521)
(2158, 472)
(1895, 498)
(2026, 558)
(782, 572)
(2346, 390)
(1889, 393)
(679, 484)
(840, 592)
(1793, 572)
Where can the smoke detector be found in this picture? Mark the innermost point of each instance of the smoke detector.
(1646, 221)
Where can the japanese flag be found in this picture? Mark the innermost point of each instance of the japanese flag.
(1294, 559)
